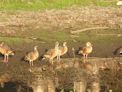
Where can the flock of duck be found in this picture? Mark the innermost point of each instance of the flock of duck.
(55, 52)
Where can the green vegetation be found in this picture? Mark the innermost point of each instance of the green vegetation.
(98, 37)
(53, 36)
(14, 40)
(50, 4)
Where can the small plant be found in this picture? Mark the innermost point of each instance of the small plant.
(71, 91)
(62, 90)
(110, 90)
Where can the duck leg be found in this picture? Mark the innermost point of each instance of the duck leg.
(7, 58)
(32, 63)
(4, 58)
(86, 56)
(58, 57)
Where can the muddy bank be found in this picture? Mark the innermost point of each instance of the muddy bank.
(67, 71)
(44, 28)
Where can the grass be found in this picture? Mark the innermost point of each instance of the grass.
(14, 40)
(36, 37)
(40, 35)
(100, 36)
(53, 36)
(61, 36)
(50, 4)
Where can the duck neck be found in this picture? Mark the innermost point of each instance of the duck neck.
(88, 45)
(35, 49)
(56, 46)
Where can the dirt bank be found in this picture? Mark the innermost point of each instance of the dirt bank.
(54, 20)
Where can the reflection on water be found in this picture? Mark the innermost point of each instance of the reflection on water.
(15, 87)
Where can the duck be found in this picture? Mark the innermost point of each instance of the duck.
(62, 50)
(85, 51)
(6, 51)
(32, 56)
(52, 53)
(118, 51)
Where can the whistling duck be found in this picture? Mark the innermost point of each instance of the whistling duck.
(6, 51)
(62, 50)
(86, 50)
(52, 53)
(32, 56)
(120, 51)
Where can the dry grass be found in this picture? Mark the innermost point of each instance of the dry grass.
(60, 20)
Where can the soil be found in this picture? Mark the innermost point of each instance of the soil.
(24, 24)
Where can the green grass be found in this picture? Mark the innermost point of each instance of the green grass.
(61, 36)
(14, 40)
(44, 36)
(53, 36)
(106, 39)
(102, 37)
(50, 4)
